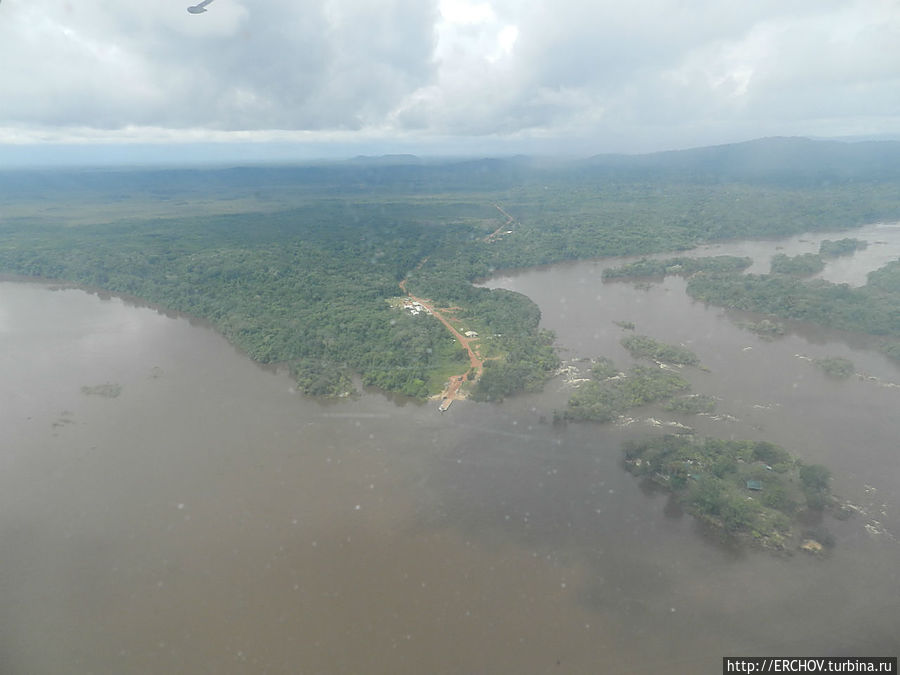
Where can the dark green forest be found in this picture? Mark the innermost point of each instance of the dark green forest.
(846, 246)
(803, 265)
(609, 393)
(873, 308)
(297, 265)
(751, 490)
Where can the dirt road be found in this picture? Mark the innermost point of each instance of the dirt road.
(475, 361)
(500, 231)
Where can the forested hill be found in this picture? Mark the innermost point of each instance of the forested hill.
(302, 265)
(781, 161)
(773, 161)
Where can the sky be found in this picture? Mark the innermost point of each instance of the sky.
(284, 79)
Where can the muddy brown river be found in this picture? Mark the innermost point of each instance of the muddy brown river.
(197, 515)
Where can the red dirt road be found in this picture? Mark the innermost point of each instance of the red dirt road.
(474, 360)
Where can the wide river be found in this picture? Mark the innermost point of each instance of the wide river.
(199, 516)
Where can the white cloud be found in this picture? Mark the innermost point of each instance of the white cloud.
(461, 12)
(638, 75)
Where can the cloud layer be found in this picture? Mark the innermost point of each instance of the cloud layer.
(587, 73)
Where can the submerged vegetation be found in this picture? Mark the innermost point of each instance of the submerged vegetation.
(751, 490)
(603, 368)
(846, 246)
(836, 366)
(106, 390)
(693, 404)
(642, 346)
(766, 329)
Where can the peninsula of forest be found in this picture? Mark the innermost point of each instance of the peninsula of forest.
(320, 267)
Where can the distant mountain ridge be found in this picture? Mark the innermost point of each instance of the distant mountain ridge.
(769, 159)
(385, 160)
(783, 161)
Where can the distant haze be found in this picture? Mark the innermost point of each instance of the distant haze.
(131, 81)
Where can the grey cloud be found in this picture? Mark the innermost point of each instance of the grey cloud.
(315, 65)
(644, 72)
(672, 67)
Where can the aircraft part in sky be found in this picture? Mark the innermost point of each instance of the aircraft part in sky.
(199, 8)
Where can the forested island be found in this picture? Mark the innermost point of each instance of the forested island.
(609, 393)
(749, 490)
(681, 266)
(304, 265)
(846, 246)
(803, 265)
(873, 308)
(836, 366)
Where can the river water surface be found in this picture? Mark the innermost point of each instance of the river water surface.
(209, 519)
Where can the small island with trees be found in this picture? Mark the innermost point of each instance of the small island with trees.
(608, 393)
(680, 266)
(803, 265)
(642, 346)
(750, 491)
(836, 366)
(765, 328)
(605, 399)
(873, 308)
(846, 246)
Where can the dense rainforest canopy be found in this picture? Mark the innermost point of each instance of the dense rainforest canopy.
(298, 265)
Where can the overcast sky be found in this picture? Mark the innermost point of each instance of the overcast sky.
(340, 76)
